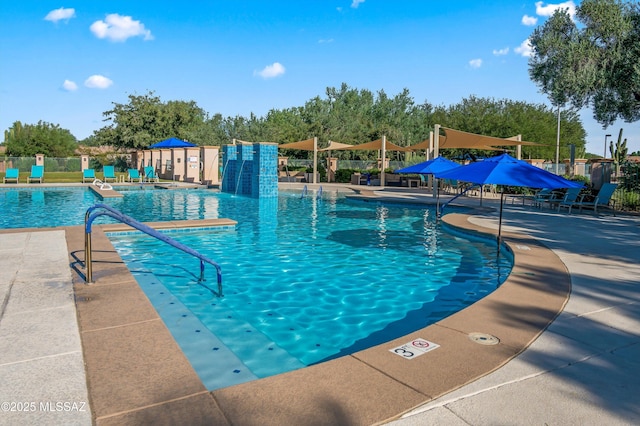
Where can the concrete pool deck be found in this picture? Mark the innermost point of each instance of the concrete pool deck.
(582, 369)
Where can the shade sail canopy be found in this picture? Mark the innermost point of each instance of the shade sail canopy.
(335, 146)
(459, 139)
(306, 145)
(377, 145)
(173, 143)
(506, 170)
(438, 164)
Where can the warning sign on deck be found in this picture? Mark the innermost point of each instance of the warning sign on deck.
(414, 348)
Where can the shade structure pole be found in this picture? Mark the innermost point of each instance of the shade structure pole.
(384, 158)
(433, 150)
(315, 158)
(329, 165)
(436, 140)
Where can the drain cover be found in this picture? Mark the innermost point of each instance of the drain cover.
(484, 338)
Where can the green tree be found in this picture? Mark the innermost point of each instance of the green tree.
(26, 140)
(596, 64)
(145, 120)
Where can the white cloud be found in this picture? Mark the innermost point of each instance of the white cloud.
(325, 40)
(356, 3)
(525, 49)
(271, 71)
(98, 82)
(69, 86)
(549, 9)
(119, 28)
(475, 63)
(60, 14)
(529, 21)
(501, 52)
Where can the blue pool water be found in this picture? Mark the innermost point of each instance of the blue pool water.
(308, 280)
(305, 280)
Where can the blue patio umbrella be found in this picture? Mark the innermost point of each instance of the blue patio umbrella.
(173, 143)
(505, 170)
(438, 164)
(430, 167)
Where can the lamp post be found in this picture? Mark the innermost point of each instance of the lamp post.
(605, 145)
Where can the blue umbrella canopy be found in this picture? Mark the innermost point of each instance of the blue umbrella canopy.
(172, 143)
(508, 171)
(438, 164)
(505, 170)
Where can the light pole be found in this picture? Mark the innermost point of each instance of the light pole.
(605, 145)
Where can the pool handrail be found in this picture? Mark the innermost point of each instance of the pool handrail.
(128, 220)
(441, 209)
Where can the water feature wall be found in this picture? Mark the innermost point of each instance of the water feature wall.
(250, 169)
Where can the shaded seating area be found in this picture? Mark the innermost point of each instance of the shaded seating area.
(133, 175)
(37, 174)
(11, 175)
(109, 174)
(88, 175)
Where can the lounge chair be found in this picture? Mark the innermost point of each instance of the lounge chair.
(133, 175)
(545, 195)
(37, 174)
(88, 175)
(12, 174)
(150, 174)
(571, 198)
(602, 200)
(109, 174)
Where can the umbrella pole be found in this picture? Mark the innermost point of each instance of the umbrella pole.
(500, 220)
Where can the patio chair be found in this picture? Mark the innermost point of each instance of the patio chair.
(546, 196)
(88, 175)
(133, 175)
(602, 200)
(37, 174)
(150, 174)
(12, 174)
(571, 198)
(109, 173)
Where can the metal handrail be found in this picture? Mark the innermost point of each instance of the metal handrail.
(460, 194)
(128, 220)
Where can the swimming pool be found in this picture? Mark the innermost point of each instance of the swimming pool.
(306, 280)
(44, 207)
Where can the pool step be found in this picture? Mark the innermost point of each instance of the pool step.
(218, 364)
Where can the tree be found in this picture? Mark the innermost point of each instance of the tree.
(146, 120)
(26, 140)
(596, 64)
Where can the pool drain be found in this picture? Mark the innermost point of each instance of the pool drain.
(484, 338)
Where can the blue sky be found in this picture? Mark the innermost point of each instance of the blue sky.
(66, 63)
